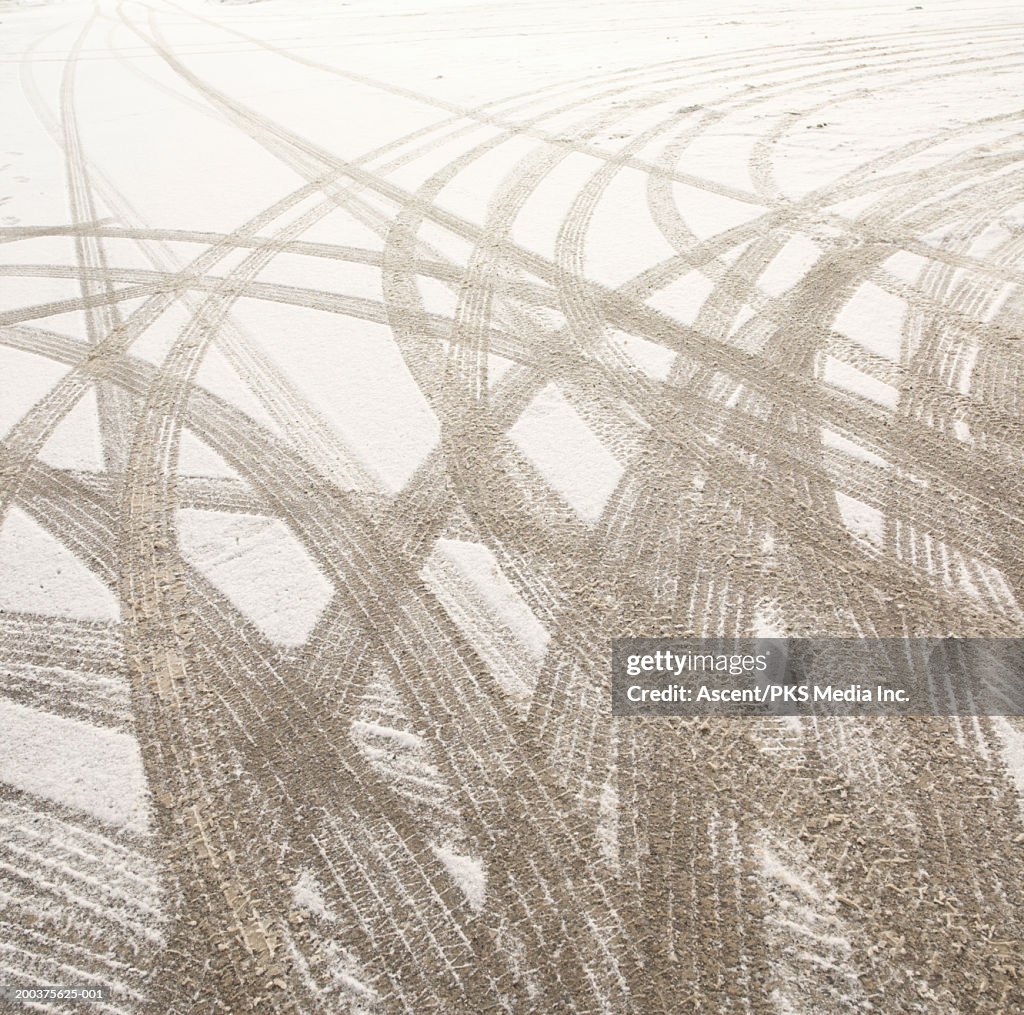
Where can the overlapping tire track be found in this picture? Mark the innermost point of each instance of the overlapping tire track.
(587, 943)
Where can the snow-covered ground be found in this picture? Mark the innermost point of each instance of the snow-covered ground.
(366, 366)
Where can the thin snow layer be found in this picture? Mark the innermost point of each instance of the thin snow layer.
(477, 563)
(353, 373)
(75, 442)
(861, 519)
(789, 265)
(196, 458)
(575, 464)
(220, 378)
(620, 247)
(260, 566)
(873, 318)
(540, 218)
(842, 375)
(24, 379)
(468, 874)
(41, 575)
(469, 583)
(707, 214)
(469, 193)
(653, 359)
(831, 439)
(1011, 741)
(85, 767)
(683, 298)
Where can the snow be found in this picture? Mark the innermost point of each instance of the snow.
(861, 519)
(24, 379)
(196, 458)
(41, 575)
(683, 298)
(708, 214)
(467, 872)
(654, 360)
(476, 563)
(260, 566)
(576, 465)
(75, 442)
(220, 378)
(619, 247)
(352, 372)
(85, 767)
(789, 265)
(308, 895)
(831, 439)
(1011, 742)
(764, 122)
(537, 225)
(873, 318)
(857, 382)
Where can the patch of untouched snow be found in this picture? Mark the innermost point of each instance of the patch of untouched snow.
(789, 265)
(470, 192)
(853, 208)
(196, 458)
(540, 218)
(842, 375)
(565, 451)
(655, 360)
(497, 367)
(468, 874)
(260, 567)
(38, 290)
(76, 443)
(41, 575)
(24, 379)
(443, 243)
(905, 266)
(220, 378)
(707, 214)
(478, 565)
(861, 519)
(155, 342)
(873, 318)
(437, 297)
(342, 228)
(622, 239)
(831, 439)
(178, 148)
(683, 298)
(721, 153)
(352, 372)
(85, 767)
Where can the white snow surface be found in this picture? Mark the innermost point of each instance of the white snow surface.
(81, 766)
